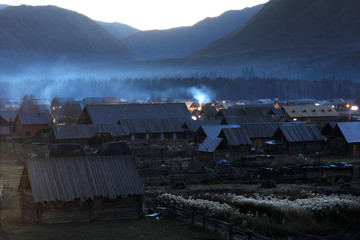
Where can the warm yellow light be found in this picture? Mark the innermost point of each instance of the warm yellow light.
(347, 105)
(277, 106)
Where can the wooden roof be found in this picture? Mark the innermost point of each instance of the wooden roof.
(85, 131)
(112, 113)
(66, 179)
(302, 111)
(350, 131)
(300, 133)
(235, 136)
(166, 125)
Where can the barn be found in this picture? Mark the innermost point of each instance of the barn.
(80, 189)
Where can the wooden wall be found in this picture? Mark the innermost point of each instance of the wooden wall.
(75, 211)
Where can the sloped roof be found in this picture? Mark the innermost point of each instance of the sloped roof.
(350, 131)
(34, 117)
(210, 144)
(214, 130)
(112, 113)
(8, 115)
(237, 111)
(85, 131)
(235, 136)
(260, 130)
(66, 179)
(301, 133)
(167, 125)
(247, 119)
(193, 125)
(310, 111)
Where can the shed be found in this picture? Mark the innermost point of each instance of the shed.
(28, 123)
(299, 138)
(80, 189)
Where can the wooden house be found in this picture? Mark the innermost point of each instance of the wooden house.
(237, 140)
(152, 130)
(145, 122)
(299, 139)
(80, 189)
(311, 114)
(259, 133)
(29, 123)
(88, 133)
(112, 113)
(345, 138)
(210, 131)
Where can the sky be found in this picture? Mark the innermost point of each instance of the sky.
(146, 14)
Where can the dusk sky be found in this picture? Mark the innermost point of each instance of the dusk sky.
(147, 14)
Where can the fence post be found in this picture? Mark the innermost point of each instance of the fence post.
(231, 232)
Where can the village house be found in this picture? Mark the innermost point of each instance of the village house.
(144, 121)
(80, 189)
(299, 139)
(345, 139)
(259, 133)
(29, 123)
(237, 141)
(88, 133)
(311, 114)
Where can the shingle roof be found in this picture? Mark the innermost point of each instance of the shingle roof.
(214, 130)
(301, 133)
(112, 113)
(210, 144)
(310, 111)
(30, 118)
(235, 136)
(166, 125)
(86, 131)
(350, 131)
(66, 179)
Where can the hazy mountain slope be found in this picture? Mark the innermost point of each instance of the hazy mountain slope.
(180, 42)
(119, 30)
(52, 32)
(303, 27)
(2, 6)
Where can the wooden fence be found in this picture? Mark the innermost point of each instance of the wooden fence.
(227, 230)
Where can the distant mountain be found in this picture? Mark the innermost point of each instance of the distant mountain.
(119, 30)
(2, 6)
(182, 41)
(50, 33)
(291, 35)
